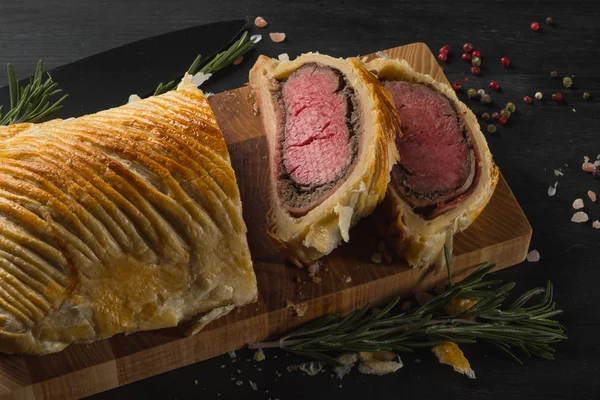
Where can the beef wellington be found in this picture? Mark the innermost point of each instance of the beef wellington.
(330, 128)
(446, 174)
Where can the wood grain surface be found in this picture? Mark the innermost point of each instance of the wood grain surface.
(501, 234)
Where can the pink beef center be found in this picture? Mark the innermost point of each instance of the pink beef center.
(433, 149)
(316, 149)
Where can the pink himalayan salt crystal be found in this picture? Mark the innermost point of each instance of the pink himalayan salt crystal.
(592, 196)
(588, 167)
(533, 256)
(596, 224)
(238, 60)
(278, 37)
(260, 22)
(579, 217)
(578, 204)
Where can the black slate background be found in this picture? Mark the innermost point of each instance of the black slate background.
(537, 139)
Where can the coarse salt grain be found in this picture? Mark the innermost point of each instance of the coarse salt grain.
(133, 98)
(588, 167)
(586, 159)
(558, 172)
(260, 22)
(596, 224)
(283, 57)
(277, 37)
(552, 189)
(578, 204)
(533, 256)
(592, 195)
(255, 38)
(253, 385)
(579, 217)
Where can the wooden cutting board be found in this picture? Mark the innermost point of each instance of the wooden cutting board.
(500, 235)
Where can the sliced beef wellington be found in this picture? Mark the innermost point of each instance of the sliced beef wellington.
(330, 130)
(446, 174)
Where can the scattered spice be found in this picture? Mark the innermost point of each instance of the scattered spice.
(535, 26)
(476, 61)
(476, 53)
(533, 256)
(443, 57)
(486, 99)
(596, 224)
(588, 167)
(238, 60)
(579, 217)
(456, 85)
(259, 355)
(471, 93)
(475, 70)
(467, 47)
(578, 204)
(505, 113)
(557, 97)
(466, 56)
(277, 37)
(494, 85)
(539, 95)
(495, 115)
(485, 116)
(549, 20)
(491, 128)
(527, 100)
(445, 49)
(260, 22)
(554, 74)
(567, 82)
(505, 62)
(592, 195)
(511, 107)
(481, 92)
(502, 120)
(457, 306)
(586, 95)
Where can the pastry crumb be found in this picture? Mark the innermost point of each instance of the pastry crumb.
(450, 354)
(299, 309)
(259, 355)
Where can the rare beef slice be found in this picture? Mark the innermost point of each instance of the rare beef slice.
(446, 174)
(330, 127)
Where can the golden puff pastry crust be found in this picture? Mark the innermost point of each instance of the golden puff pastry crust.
(126, 220)
(306, 238)
(421, 241)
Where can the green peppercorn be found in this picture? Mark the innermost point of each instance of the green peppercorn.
(586, 95)
(505, 113)
(554, 74)
(476, 61)
(471, 93)
(567, 82)
(510, 107)
(491, 128)
(485, 116)
(486, 99)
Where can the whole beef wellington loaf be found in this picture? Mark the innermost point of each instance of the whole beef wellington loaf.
(330, 131)
(446, 174)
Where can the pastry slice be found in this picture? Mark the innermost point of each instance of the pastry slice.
(330, 130)
(446, 174)
(126, 220)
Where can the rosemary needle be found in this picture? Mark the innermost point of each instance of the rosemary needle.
(240, 47)
(529, 329)
(33, 102)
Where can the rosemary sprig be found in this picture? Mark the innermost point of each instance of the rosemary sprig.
(33, 102)
(530, 329)
(240, 47)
